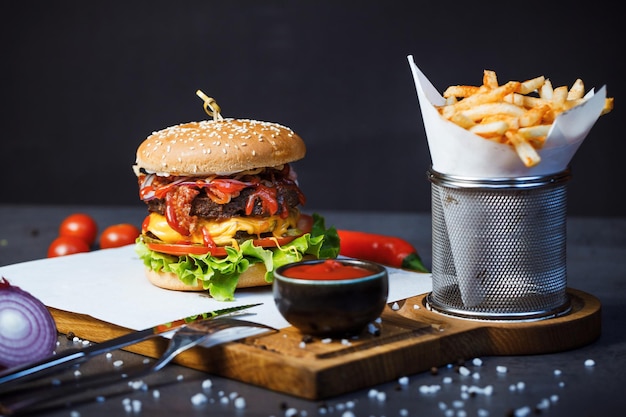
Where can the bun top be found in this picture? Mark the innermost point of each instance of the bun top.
(223, 146)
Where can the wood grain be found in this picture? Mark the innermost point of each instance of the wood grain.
(412, 339)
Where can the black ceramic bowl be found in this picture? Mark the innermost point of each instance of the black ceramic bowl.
(331, 307)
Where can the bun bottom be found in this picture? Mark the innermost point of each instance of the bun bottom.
(254, 276)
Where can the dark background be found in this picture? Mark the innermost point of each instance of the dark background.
(85, 82)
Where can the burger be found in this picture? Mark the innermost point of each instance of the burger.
(224, 206)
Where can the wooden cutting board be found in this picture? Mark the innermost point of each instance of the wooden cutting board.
(412, 339)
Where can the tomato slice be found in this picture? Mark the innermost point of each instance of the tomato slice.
(305, 224)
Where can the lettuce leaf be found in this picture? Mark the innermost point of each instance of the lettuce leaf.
(219, 275)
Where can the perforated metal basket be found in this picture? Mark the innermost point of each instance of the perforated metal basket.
(499, 247)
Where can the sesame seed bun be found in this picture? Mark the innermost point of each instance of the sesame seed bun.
(222, 147)
(254, 276)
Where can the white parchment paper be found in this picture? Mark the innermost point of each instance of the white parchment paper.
(110, 285)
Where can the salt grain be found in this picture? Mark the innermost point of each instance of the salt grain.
(590, 363)
(464, 371)
(156, 394)
(403, 380)
(348, 414)
(207, 383)
(138, 385)
(477, 362)
(118, 363)
(136, 406)
(199, 399)
(240, 403)
(373, 329)
(501, 369)
(447, 380)
(544, 404)
(381, 396)
(522, 411)
(372, 393)
(557, 372)
(429, 389)
(458, 404)
(291, 412)
(395, 306)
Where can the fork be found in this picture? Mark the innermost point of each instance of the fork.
(193, 334)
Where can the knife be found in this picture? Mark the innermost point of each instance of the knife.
(76, 356)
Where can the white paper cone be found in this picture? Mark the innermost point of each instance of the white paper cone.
(456, 151)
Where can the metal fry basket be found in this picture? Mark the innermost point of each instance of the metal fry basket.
(499, 247)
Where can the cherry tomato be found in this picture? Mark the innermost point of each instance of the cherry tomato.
(79, 225)
(67, 245)
(118, 235)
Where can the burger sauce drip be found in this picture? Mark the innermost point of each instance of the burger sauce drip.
(221, 190)
(177, 209)
(207, 239)
(266, 196)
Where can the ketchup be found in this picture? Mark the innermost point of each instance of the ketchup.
(330, 269)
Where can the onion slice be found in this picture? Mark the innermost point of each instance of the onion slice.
(27, 330)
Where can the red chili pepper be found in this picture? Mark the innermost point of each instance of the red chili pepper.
(386, 250)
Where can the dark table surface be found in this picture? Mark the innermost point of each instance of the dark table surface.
(555, 384)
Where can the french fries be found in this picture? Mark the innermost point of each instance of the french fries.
(516, 113)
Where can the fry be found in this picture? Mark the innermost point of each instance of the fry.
(497, 94)
(483, 110)
(462, 120)
(490, 79)
(525, 151)
(490, 130)
(577, 91)
(545, 92)
(534, 84)
(519, 114)
(533, 116)
(460, 91)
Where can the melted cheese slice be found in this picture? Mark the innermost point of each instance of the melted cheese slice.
(223, 232)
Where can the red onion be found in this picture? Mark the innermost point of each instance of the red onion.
(27, 330)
